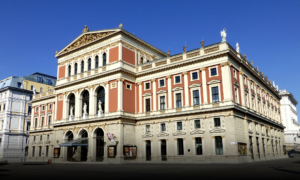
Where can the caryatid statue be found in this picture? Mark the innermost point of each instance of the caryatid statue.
(99, 105)
(84, 108)
(223, 35)
(237, 47)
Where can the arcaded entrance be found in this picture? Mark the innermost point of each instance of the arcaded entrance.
(70, 137)
(84, 149)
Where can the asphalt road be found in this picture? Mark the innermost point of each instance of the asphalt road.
(286, 168)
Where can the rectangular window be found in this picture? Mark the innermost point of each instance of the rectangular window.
(42, 123)
(177, 79)
(197, 124)
(147, 86)
(217, 122)
(219, 145)
(50, 106)
(180, 146)
(33, 150)
(236, 95)
(48, 137)
(147, 105)
(215, 94)
(162, 103)
(178, 100)
(128, 86)
(179, 125)
(30, 97)
(198, 145)
(163, 126)
(33, 138)
(19, 85)
(36, 109)
(213, 71)
(43, 108)
(147, 128)
(40, 151)
(195, 75)
(41, 137)
(162, 83)
(0, 141)
(49, 120)
(29, 110)
(31, 87)
(196, 97)
(47, 151)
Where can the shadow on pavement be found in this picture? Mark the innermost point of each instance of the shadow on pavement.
(284, 170)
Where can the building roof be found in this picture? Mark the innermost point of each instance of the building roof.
(284, 92)
(41, 74)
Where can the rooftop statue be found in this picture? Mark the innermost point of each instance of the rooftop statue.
(168, 53)
(121, 26)
(86, 29)
(184, 49)
(223, 35)
(202, 43)
(237, 47)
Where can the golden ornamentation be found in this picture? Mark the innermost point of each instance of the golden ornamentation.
(225, 64)
(213, 49)
(89, 73)
(137, 69)
(153, 80)
(197, 53)
(139, 83)
(168, 76)
(147, 67)
(184, 73)
(85, 39)
(176, 59)
(86, 29)
(202, 69)
(160, 63)
(104, 69)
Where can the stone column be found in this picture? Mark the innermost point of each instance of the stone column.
(78, 102)
(204, 86)
(169, 92)
(227, 83)
(92, 103)
(85, 64)
(186, 89)
(154, 94)
(120, 94)
(140, 97)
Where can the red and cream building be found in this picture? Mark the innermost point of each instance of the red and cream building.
(208, 105)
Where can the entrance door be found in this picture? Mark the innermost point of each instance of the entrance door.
(163, 150)
(70, 154)
(148, 150)
(100, 145)
(84, 152)
(251, 147)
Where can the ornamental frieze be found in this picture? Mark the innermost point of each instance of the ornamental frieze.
(85, 39)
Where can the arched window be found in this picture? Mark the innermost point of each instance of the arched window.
(70, 136)
(99, 145)
(104, 59)
(89, 64)
(82, 66)
(101, 97)
(84, 134)
(69, 70)
(72, 104)
(85, 100)
(75, 72)
(96, 62)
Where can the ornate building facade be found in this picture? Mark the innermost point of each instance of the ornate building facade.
(290, 120)
(119, 99)
(15, 113)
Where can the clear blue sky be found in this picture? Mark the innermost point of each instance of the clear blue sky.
(267, 31)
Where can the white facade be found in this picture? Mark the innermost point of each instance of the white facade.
(290, 120)
(14, 123)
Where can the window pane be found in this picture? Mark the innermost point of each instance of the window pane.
(180, 146)
(162, 102)
(147, 128)
(177, 79)
(213, 71)
(162, 82)
(179, 125)
(195, 75)
(215, 94)
(198, 145)
(219, 145)
(197, 124)
(196, 97)
(217, 122)
(178, 100)
(163, 127)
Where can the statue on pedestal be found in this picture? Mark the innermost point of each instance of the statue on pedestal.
(71, 111)
(237, 47)
(100, 112)
(223, 35)
(84, 108)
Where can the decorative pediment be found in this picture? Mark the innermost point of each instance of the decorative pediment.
(147, 94)
(237, 84)
(246, 89)
(178, 133)
(197, 131)
(49, 112)
(253, 94)
(36, 115)
(42, 114)
(217, 130)
(162, 134)
(195, 85)
(214, 81)
(84, 39)
(177, 89)
(147, 135)
(161, 91)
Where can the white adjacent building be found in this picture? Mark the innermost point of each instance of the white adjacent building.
(290, 120)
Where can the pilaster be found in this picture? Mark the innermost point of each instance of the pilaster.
(204, 87)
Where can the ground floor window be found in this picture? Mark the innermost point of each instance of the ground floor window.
(180, 146)
(198, 144)
(47, 151)
(40, 151)
(219, 145)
